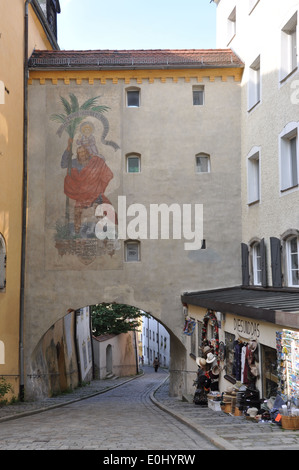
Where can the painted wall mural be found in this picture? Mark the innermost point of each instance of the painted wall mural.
(86, 177)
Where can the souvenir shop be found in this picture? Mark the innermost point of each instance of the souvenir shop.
(246, 366)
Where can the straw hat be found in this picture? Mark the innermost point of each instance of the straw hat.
(200, 361)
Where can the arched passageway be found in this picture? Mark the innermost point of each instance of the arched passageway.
(74, 351)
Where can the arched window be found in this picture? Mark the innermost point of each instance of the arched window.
(2, 263)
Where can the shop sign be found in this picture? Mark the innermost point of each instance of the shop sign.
(246, 328)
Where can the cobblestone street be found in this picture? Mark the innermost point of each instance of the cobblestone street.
(133, 413)
(123, 418)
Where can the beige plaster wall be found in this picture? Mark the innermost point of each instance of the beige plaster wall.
(123, 353)
(11, 170)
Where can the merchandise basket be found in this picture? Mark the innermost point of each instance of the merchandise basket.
(290, 422)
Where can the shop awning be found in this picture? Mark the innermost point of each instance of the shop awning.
(277, 306)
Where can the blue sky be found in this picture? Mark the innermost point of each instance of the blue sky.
(137, 24)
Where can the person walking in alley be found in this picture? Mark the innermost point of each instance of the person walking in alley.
(156, 364)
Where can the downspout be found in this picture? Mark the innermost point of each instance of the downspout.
(91, 341)
(24, 207)
(148, 348)
(158, 342)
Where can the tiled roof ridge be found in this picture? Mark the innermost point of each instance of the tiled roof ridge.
(136, 58)
(133, 51)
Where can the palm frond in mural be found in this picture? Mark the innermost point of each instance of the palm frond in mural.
(70, 120)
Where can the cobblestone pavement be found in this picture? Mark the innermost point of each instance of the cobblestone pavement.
(131, 416)
(124, 418)
(226, 431)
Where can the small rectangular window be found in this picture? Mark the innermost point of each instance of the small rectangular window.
(289, 167)
(202, 163)
(253, 178)
(231, 25)
(289, 47)
(133, 98)
(132, 251)
(254, 86)
(133, 164)
(198, 95)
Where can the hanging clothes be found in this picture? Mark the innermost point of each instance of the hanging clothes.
(237, 360)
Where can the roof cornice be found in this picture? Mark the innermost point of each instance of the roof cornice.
(151, 75)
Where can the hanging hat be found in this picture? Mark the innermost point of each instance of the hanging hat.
(252, 345)
(200, 361)
(214, 372)
(206, 350)
(210, 358)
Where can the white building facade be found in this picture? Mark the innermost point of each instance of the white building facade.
(264, 309)
(155, 342)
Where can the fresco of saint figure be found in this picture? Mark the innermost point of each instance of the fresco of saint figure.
(87, 180)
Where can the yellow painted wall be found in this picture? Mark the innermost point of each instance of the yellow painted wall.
(11, 170)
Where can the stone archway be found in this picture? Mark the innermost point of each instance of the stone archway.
(70, 268)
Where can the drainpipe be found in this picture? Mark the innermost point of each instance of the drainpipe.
(148, 348)
(24, 205)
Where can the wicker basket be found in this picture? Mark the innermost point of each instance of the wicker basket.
(226, 407)
(290, 422)
(238, 412)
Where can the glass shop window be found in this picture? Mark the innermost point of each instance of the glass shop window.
(229, 353)
(269, 371)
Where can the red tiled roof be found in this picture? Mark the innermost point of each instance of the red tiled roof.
(131, 59)
(102, 338)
